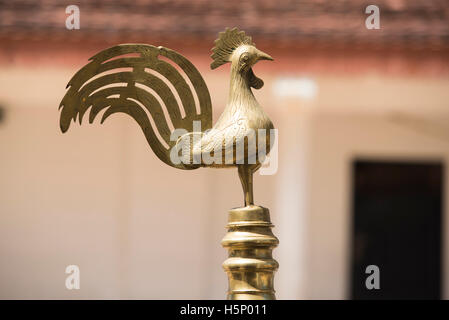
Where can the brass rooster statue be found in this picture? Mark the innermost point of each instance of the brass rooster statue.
(168, 98)
(146, 87)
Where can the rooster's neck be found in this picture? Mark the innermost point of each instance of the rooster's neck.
(240, 94)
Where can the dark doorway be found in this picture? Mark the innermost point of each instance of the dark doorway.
(397, 208)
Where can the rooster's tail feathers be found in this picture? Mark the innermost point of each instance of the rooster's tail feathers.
(140, 86)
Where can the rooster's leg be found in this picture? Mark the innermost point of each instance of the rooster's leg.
(246, 178)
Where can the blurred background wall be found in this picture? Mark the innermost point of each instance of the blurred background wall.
(97, 197)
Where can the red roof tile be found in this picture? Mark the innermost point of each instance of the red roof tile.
(411, 22)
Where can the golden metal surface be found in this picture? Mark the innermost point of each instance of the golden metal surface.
(158, 88)
(103, 84)
(250, 266)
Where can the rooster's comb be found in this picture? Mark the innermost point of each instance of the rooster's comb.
(227, 42)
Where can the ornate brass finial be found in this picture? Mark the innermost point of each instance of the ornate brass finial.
(149, 81)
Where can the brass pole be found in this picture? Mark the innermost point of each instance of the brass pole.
(250, 265)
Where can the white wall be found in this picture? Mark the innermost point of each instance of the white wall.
(97, 196)
(336, 140)
(361, 116)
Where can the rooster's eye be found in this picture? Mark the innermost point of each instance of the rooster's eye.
(245, 58)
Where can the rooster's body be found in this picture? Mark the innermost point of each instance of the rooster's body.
(238, 125)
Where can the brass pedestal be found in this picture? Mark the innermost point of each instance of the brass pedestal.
(250, 266)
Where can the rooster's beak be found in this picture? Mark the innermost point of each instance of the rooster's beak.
(263, 56)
